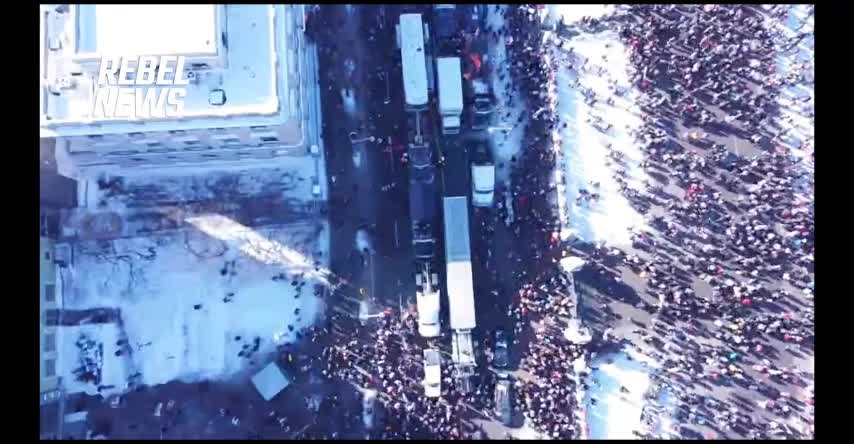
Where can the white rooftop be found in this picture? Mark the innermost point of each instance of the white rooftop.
(128, 30)
(251, 52)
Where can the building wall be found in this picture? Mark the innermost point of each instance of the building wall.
(49, 298)
(56, 191)
(176, 146)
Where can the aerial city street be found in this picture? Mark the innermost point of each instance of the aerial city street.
(429, 221)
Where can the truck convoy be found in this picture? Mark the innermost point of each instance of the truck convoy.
(411, 33)
(450, 93)
(460, 287)
(482, 175)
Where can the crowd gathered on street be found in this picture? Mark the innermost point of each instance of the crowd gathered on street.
(742, 225)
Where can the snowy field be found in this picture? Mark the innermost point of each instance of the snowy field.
(193, 302)
(585, 138)
(615, 414)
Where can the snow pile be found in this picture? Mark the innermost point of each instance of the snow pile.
(616, 414)
(586, 137)
(508, 130)
(574, 13)
(197, 305)
(528, 432)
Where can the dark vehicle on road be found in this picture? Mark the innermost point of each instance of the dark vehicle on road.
(446, 24)
(501, 357)
(504, 401)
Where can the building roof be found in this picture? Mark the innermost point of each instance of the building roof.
(251, 53)
(128, 30)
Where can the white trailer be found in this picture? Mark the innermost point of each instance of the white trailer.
(450, 93)
(410, 39)
(460, 284)
(428, 301)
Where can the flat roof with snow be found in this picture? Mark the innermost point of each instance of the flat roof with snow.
(128, 30)
(244, 61)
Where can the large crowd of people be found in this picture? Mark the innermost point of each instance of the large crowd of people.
(742, 225)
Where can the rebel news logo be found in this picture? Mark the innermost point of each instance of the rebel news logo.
(140, 87)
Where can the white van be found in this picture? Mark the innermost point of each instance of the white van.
(432, 373)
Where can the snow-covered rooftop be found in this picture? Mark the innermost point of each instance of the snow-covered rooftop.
(250, 52)
(146, 29)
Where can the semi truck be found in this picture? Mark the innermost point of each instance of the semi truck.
(410, 39)
(428, 301)
(482, 175)
(460, 288)
(450, 93)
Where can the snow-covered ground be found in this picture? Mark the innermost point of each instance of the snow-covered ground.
(615, 414)
(114, 372)
(584, 140)
(574, 13)
(795, 114)
(193, 300)
(508, 131)
(528, 432)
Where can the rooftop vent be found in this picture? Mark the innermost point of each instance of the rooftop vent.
(217, 97)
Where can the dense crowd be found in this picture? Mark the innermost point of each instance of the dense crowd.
(744, 225)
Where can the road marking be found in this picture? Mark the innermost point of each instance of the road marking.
(396, 236)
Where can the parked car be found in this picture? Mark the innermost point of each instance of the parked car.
(501, 356)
